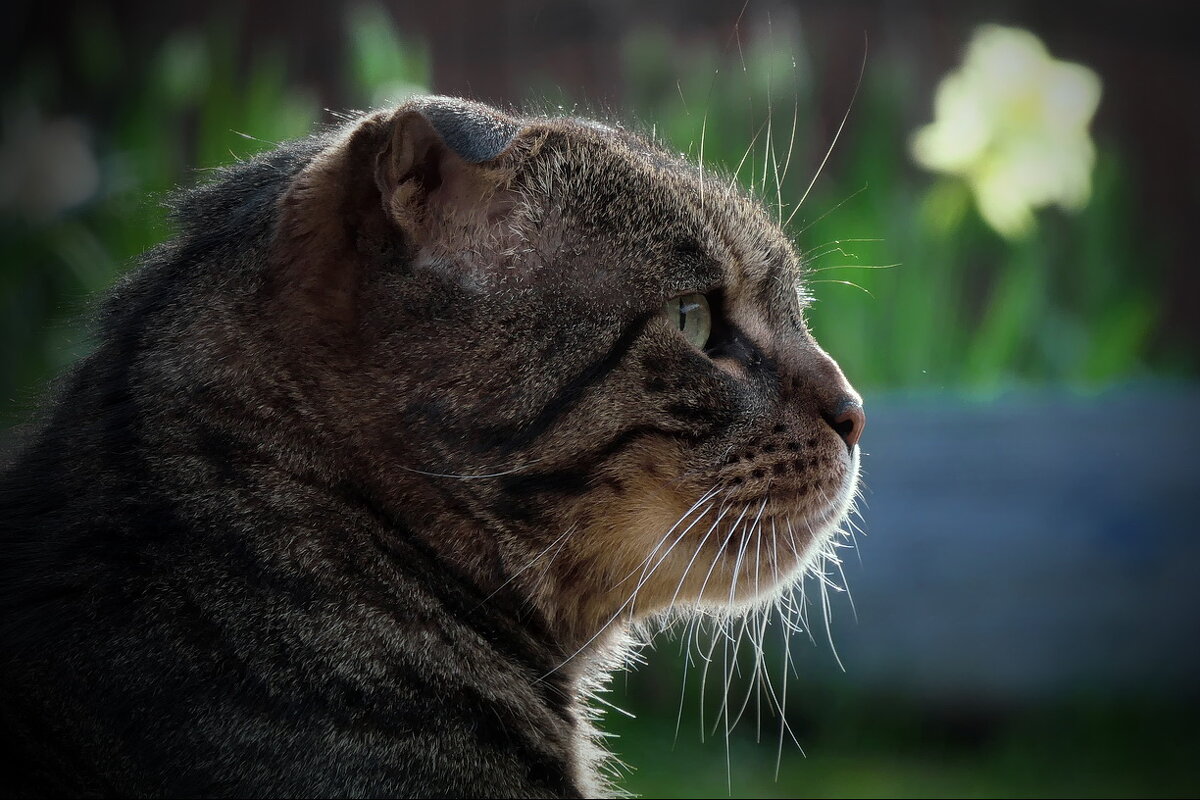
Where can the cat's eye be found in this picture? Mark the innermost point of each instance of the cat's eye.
(692, 316)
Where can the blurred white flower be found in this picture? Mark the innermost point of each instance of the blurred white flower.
(46, 165)
(1013, 123)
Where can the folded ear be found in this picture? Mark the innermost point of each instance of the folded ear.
(475, 132)
(441, 168)
(432, 174)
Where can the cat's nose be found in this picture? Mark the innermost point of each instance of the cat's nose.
(848, 420)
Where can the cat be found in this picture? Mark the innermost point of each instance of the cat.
(377, 460)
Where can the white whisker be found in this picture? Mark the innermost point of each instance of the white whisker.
(837, 135)
(703, 498)
(469, 477)
(562, 537)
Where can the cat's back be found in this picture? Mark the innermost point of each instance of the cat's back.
(144, 655)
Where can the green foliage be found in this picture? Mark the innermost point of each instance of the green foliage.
(387, 69)
(859, 744)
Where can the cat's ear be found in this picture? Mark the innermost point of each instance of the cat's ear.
(433, 173)
(441, 168)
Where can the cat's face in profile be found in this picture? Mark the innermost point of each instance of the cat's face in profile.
(590, 383)
(375, 460)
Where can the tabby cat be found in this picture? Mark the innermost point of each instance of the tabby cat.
(379, 458)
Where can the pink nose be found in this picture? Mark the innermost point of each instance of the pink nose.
(848, 422)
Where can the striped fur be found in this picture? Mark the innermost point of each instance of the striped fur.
(348, 499)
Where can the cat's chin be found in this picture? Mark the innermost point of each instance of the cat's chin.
(747, 549)
(792, 533)
(821, 520)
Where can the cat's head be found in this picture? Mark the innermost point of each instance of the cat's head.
(572, 361)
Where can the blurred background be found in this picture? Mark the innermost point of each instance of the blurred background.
(995, 200)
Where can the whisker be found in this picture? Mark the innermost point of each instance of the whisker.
(758, 650)
(724, 712)
(847, 283)
(694, 629)
(562, 537)
(472, 476)
(824, 583)
(753, 141)
(800, 232)
(758, 675)
(732, 590)
(704, 672)
(613, 706)
(708, 659)
(846, 587)
(768, 145)
(783, 726)
(699, 548)
(791, 139)
(855, 266)
(802, 610)
(720, 550)
(683, 688)
(861, 72)
(646, 576)
(711, 493)
(807, 254)
(628, 603)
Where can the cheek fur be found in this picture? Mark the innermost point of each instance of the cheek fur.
(667, 524)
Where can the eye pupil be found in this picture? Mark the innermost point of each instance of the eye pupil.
(692, 316)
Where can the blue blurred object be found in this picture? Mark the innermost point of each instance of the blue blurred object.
(1042, 545)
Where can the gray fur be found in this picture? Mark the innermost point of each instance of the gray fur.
(474, 131)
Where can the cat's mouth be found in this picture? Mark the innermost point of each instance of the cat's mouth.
(743, 541)
(779, 528)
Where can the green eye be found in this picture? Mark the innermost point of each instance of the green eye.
(690, 314)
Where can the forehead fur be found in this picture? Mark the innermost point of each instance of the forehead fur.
(642, 198)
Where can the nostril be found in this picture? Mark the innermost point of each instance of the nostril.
(849, 422)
